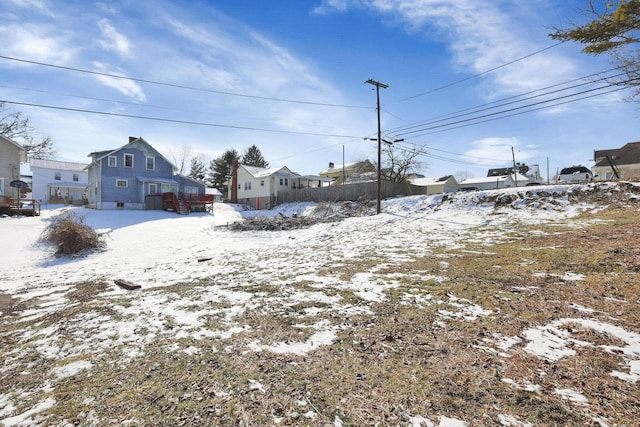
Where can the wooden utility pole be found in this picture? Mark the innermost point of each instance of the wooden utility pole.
(378, 85)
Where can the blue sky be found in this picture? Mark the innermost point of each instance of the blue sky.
(289, 76)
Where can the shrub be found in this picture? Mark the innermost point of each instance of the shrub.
(69, 233)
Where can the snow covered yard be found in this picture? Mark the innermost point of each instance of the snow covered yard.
(514, 307)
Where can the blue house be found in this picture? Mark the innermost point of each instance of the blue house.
(137, 176)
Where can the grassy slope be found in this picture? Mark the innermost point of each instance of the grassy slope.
(413, 356)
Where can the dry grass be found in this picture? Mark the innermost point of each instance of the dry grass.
(406, 359)
(69, 233)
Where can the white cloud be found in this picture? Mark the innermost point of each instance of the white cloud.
(36, 42)
(495, 151)
(328, 6)
(38, 5)
(112, 40)
(125, 86)
(482, 34)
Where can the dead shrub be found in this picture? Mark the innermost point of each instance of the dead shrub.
(69, 233)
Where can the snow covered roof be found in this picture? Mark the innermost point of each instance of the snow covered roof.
(258, 172)
(57, 165)
(432, 180)
(365, 164)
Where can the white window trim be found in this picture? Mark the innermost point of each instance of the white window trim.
(146, 163)
(126, 183)
(115, 161)
(124, 160)
(155, 188)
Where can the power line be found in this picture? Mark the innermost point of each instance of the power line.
(186, 122)
(515, 114)
(480, 74)
(507, 110)
(514, 99)
(117, 76)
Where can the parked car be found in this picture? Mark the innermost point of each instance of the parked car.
(575, 174)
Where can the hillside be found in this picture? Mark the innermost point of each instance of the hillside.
(516, 307)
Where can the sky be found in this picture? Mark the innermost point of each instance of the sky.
(202, 77)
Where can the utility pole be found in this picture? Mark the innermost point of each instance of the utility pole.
(515, 170)
(378, 85)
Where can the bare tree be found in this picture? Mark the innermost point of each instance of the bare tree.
(16, 127)
(181, 155)
(399, 161)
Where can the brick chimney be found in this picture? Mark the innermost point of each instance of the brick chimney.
(234, 182)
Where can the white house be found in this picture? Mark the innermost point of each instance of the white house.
(436, 185)
(494, 182)
(258, 187)
(56, 182)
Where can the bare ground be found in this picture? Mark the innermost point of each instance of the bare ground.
(421, 354)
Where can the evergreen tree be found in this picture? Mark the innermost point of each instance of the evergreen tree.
(614, 30)
(198, 169)
(253, 157)
(220, 170)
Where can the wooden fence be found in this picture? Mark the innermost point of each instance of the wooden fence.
(352, 192)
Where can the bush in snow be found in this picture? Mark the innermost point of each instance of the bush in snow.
(69, 233)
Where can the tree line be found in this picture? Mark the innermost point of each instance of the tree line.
(218, 171)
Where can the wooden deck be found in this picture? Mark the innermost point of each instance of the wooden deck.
(23, 207)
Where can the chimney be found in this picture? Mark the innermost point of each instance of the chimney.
(234, 182)
(331, 165)
(132, 138)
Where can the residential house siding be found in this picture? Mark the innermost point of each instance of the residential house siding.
(11, 155)
(122, 178)
(625, 161)
(58, 182)
(259, 187)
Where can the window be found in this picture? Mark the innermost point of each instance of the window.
(153, 188)
(151, 163)
(247, 186)
(262, 183)
(284, 182)
(57, 176)
(191, 190)
(122, 183)
(128, 160)
(167, 188)
(113, 162)
(76, 177)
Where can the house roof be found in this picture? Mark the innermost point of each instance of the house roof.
(433, 180)
(154, 179)
(67, 184)
(54, 164)
(134, 142)
(484, 180)
(629, 154)
(257, 172)
(346, 166)
(12, 142)
(188, 178)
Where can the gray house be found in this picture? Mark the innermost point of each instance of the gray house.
(134, 176)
